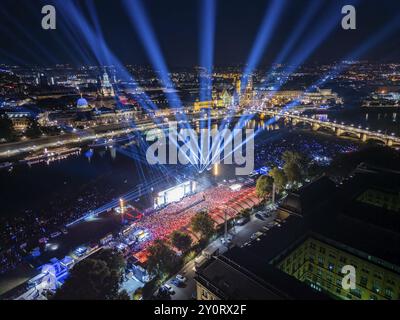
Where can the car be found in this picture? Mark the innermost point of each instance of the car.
(242, 221)
(259, 216)
(176, 282)
(226, 241)
(265, 228)
(246, 244)
(181, 278)
(168, 288)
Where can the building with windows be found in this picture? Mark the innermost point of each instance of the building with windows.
(349, 225)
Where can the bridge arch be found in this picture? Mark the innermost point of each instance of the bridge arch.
(327, 129)
(350, 134)
(373, 139)
(301, 123)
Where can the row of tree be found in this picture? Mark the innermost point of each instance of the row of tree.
(163, 260)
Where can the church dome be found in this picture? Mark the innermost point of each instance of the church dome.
(82, 103)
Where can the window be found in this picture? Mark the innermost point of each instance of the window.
(375, 288)
(389, 293)
(365, 270)
(322, 250)
(356, 292)
(363, 281)
(321, 261)
(378, 275)
(391, 281)
(312, 245)
(342, 259)
(331, 266)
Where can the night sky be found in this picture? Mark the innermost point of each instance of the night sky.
(177, 25)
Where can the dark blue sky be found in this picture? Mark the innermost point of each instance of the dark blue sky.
(177, 27)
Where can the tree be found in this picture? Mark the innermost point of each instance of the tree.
(114, 259)
(6, 129)
(33, 130)
(264, 186)
(293, 172)
(138, 294)
(94, 279)
(279, 178)
(292, 157)
(161, 258)
(294, 165)
(203, 224)
(181, 240)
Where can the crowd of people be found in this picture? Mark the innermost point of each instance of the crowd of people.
(270, 149)
(21, 233)
(177, 216)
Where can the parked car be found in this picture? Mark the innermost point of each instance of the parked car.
(176, 282)
(259, 216)
(242, 221)
(169, 289)
(181, 278)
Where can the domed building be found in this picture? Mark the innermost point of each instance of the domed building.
(82, 104)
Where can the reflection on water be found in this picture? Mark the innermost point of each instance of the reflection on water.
(216, 170)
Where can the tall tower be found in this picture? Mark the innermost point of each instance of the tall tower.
(249, 90)
(107, 89)
(238, 86)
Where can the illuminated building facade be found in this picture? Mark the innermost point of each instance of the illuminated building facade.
(106, 89)
(316, 97)
(219, 100)
(318, 262)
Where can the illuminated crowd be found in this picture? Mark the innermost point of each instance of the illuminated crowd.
(216, 201)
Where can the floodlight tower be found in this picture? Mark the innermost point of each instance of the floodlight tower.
(273, 193)
(225, 225)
